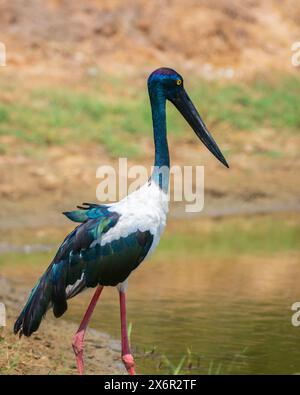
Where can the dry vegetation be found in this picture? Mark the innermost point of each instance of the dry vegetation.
(49, 351)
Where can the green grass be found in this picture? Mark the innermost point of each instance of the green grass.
(251, 107)
(58, 116)
(3, 114)
(190, 361)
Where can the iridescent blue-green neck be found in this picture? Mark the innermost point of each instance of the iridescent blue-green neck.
(162, 159)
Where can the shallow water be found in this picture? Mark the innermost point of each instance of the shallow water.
(234, 316)
(232, 308)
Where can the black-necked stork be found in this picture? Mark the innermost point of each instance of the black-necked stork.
(113, 239)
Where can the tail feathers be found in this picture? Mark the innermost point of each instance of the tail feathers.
(51, 291)
(35, 308)
(59, 289)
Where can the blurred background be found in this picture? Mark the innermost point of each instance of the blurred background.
(216, 296)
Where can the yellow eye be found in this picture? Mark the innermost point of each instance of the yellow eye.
(179, 82)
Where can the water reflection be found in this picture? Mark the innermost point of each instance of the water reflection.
(234, 315)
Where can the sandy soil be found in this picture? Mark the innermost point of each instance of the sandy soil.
(228, 38)
(49, 350)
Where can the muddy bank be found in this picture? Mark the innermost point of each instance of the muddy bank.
(49, 350)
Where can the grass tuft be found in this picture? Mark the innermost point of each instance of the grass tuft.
(58, 116)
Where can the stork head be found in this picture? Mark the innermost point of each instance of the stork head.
(169, 84)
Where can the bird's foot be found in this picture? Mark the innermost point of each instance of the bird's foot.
(77, 345)
(129, 363)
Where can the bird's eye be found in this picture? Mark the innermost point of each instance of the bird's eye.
(179, 82)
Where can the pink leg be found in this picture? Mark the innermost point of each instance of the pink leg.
(127, 358)
(78, 341)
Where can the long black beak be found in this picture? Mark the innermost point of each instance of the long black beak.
(184, 104)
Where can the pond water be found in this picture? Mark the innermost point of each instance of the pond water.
(227, 300)
(234, 316)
